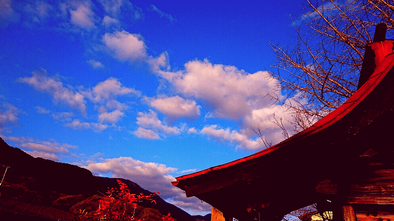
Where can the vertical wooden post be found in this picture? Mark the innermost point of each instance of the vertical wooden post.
(217, 215)
(348, 213)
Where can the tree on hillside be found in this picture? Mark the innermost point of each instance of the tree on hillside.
(320, 68)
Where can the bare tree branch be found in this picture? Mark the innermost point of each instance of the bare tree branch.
(321, 69)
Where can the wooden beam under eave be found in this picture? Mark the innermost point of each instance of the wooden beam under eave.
(371, 200)
(376, 216)
(217, 215)
(348, 213)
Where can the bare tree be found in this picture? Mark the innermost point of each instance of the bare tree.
(320, 69)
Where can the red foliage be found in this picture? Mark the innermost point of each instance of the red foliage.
(120, 204)
(168, 218)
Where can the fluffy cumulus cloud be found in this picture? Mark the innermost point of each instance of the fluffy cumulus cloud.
(83, 16)
(44, 155)
(151, 126)
(111, 117)
(151, 176)
(105, 94)
(45, 149)
(140, 172)
(8, 114)
(42, 82)
(125, 46)
(241, 139)
(232, 93)
(192, 130)
(268, 121)
(110, 89)
(146, 134)
(95, 64)
(176, 107)
(110, 22)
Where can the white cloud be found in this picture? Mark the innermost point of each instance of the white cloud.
(99, 127)
(232, 93)
(162, 14)
(83, 16)
(176, 107)
(188, 171)
(223, 134)
(112, 7)
(7, 13)
(77, 124)
(265, 120)
(63, 13)
(327, 9)
(95, 64)
(8, 114)
(149, 123)
(149, 120)
(117, 7)
(137, 171)
(192, 205)
(40, 81)
(42, 9)
(39, 11)
(108, 21)
(192, 130)
(109, 90)
(111, 117)
(232, 136)
(147, 134)
(151, 176)
(125, 46)
(105, 93)
(45, 149)
(156, 64)
(42, 110)
(44, 155)
(62, 116)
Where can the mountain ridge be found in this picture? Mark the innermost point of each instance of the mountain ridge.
(67, 187)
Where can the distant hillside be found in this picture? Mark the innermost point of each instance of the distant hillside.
(67, 187)
(203, 218)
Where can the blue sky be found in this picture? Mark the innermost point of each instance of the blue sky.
(144, 90)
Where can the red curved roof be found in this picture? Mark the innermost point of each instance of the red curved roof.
(333, 117)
